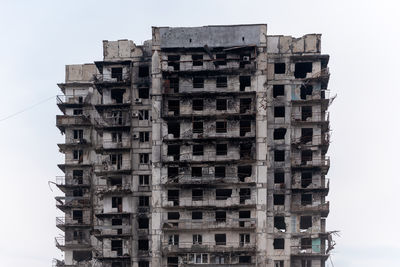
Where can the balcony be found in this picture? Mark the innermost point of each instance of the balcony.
(63, 222)
(322, 209)
(207, 202)
(189, 225)
(322, 162)
(314, 250)
(299, 185)
(64, 203)
(121, 167)
(120, 231)
(109, 144)
(63, 121)
(114, 120)
(206, 179)
(64, 182)
(210, 247)
(110, 79)
(71, 101)
(125, 188)
(64, 245)
(317, 117)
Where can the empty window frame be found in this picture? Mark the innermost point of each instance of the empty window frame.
(306, 199)
(197, 194)
(116, 137)
(143, 71)
(244, 171)
(143, 115)
(77, 215)
(306, 155)
(279, 223)
(198, 150)
(78, 155)
(279, 112)
(198, 127)
(144, 158)
(197, 215)
(173, 195)
(173, 106)
(305, 243)
(144, 92)
(244, 193)
(197, 239)
(78, 111)
(279, 177)
(245, 127)
(279, 199)
(116, 245)
(244, 259)
(117, 96)
(245, 105)
(223, 194)
(244, 81)
(221, 104)
(144, 180)
(173, 215)
(77, 176)
(278, 90)
(279, 155)
(222, 82)
(279, 243)
(198, 82)
(220, 171)
(220, 59)
(306, 112)
(173, 84)
(197, 60)
(144, 137)
(305, 90)
(197, 171)
(246, 150)
(143, 264)
(280, 68)
(279, 263)
(279, 133)
(116, 73)
(144, 201)
(220, 216)
(173, 240)
(78, 134)
(306, 135)
(173, 172)
(174, 61)
(306, 263)
(143, 244)
(305, 222)
(221, 149)
(306, 178)
(174, 151)
(301, 69)
(244, 239)
(198, 104)
(143, 223)
(220, 239)
(174, 128)
(220, 127)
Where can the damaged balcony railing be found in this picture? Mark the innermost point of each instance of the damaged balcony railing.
(223, 201)
(72, 201)
(108, 189)
(188, 224)
(188, 179)
(316, 116)
(69, 220)
(109, 166)
(115, 230)
(72, 99)
(123, 142)
(218, 246)
(70, 180)
(312, 161)
(113, 119)
(311, 140)
(112, 77)
(322, 208)
(310, 183)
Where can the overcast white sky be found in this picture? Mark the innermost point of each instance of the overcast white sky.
(37, 38)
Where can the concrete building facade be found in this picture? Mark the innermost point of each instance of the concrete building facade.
(204, 145)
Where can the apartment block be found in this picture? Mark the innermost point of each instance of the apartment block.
(203, 146)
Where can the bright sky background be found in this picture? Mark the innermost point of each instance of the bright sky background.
(37, 38)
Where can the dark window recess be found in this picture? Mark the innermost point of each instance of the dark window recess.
(306, 112)
(245, 127)
(306, 263)
(306, 199)
(245, 105)
(143, 115)
(278, 90)
(279, 112)
(223, 194)
(198, 150)
(280, 68)
(174, 128)
(116, 202)
(116, 73)
(220, 216)
(143, 244)
(279, 155)
(197, 171)
(279, 243)
(244, 193)
(79, 256)
(244, 259)
(173, 195)
(115, 181)
(173, 84)
(116, 245)
(143, 71)
(220, 127)
(279, 223)
(143, 223)
(279, 177)
(306, 155)
(301, 69)
(198, 104)
(197, 60)
(77, 192)
(78, 111)
(144, 158)
(222, 82)
(144, 92)
(243, 172)
(221, 104)
(144, 201)
(173, 60)
(77, 176)
(305, 222)
(279, 133)
(220, 172)
(143, 264)
(244, 214)
(279, 199)
(117, 264)
(173, 172)
(173, 106)
(198, 82)
(305, 243)
(144, 137)
(221, 149)
(117, 95)
(77, 215)
(306, 179)
(198, 127)
(197, 194)
(306, 135)
(244, 81)
(172, 260)
(245, 151)
(197, 215)
(175, 151)
(305, 90)
(220, 59)
(220, 239)
(173, 215)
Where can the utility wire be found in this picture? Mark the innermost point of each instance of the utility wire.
(26, 109)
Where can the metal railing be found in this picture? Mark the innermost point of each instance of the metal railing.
(299, 183)
(167, 247)
(188, 224)
(71, 99)
(324, 207)
(72, 201)
(70, 180)
(189, 202)
(205, 179)
(322, 161)
(112, 78)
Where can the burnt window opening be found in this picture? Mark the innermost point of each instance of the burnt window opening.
(279, 177)
(243, 172)
(244, 259)
(143, 115)
(143, 223)
(278, 90)
(143, 264)
(116, 202)
(280, 68)
(144, 180)
(115, 181)
(220, 171)
(279, 199)
(305, 90)
(245, 127)
(220, 216)
(306, 179)
(77, 215)
(222, 82)
(144, 92)
(279, 112)
(144, 158)
(244, 239)
(245, 151)
(116, 245)
(220, 239)
(198, 82)
(172, 261)
(198, 150)
(77, 192)
(197, 60)
(279, 155)
(305, 243)
(175, 151)
(197, 194)
(306, 135)
(173, 195)
(306, 263)
(220, 59)
(173, 172)
(244, 81)
(143, 71)
(244, 193)
(279, 243)
(223, 194)
(143, 244)
(306, 155)
(197, 215)
(197, 171)
(279, 223)
(173, 215)
(174, 84)
(305, 222)
(117, 264)
(306, 199)
(78, 111)
(222, 149)
(174, 61)
(144, 201)
(301, 69)
(79, 256)
(77, 176)
(220, 127)
(116, 73)
(198, 127)
(198, 104)
(144, 137)
(306, 112)
(244, 214)
(174, 128)
(173, 106)
(245, 105)
(221, 104)
(279, 133)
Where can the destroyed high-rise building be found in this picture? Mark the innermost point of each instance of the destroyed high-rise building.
(204, 145)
